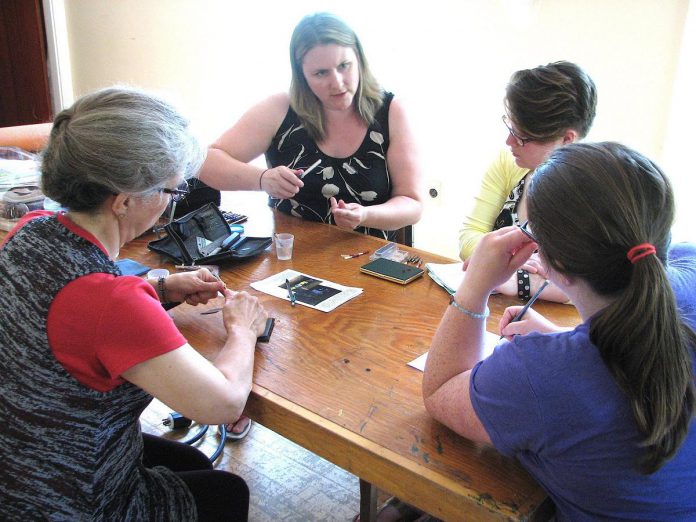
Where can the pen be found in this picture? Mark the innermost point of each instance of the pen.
(310, 168)
(351, 256)
(291, 294)
(526, 307)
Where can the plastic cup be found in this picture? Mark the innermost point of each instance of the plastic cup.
(284, 243)
(156, 273)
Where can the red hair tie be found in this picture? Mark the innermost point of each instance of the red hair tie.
(638, 252)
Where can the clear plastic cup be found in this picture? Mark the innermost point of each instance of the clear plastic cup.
(156, 273)
(284, 244)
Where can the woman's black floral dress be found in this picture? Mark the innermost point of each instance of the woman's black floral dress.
(362, 178)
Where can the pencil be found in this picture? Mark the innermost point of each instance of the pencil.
(526, 307)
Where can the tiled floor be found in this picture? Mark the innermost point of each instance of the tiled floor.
(286, 482)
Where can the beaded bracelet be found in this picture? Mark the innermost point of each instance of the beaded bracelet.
(161, 290)
(523, 285)
(471, 314)
(261, 177)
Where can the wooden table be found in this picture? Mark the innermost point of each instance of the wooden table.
(337, 383)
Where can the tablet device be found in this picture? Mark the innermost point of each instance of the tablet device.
(392, 271)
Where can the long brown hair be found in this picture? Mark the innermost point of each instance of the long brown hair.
(589, 204)
(324, 29)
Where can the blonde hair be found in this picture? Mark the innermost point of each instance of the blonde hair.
(324, 29)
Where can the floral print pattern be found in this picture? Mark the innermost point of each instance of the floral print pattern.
(362, 178)
(508, 215)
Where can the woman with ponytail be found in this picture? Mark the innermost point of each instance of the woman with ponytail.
(602, 415)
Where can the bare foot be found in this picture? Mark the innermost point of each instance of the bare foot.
(239, 429)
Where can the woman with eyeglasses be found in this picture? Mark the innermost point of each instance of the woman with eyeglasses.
(337, 119)
(83, 348)
(546, 107)
(602, 416)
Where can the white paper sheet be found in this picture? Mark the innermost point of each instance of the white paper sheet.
(310, 291)
(491, 340)
(449, 276)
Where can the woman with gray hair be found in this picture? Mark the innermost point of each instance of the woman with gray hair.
(83, 348)
(337, 120)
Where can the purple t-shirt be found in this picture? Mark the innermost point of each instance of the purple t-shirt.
(550, 401)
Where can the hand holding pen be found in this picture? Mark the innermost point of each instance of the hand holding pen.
(280, 182)
(518, 317)
(283, 182)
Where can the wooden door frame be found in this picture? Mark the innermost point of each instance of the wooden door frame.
(58, 54)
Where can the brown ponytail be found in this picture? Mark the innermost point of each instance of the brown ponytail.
(589, 204)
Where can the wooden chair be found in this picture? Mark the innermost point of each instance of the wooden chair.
(404, 235)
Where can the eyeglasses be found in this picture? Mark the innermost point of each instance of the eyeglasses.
(526, 230)
(178, 193)
(520, 140)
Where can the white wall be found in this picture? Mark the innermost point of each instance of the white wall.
(449, 60)
(677, 158)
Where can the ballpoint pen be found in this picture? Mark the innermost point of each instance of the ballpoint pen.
(310, 168)
(291, 294)
(526, 307)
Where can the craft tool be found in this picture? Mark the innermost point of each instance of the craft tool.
(310, 168)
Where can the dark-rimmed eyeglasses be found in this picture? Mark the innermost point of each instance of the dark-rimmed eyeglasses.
(520, 140)
(526, 230)
(178, 193)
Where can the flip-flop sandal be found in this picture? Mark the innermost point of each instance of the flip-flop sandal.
(405, 512)
(230, 435)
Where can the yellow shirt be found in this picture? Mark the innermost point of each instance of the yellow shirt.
(502, 176)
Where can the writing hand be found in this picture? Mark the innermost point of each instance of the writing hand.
(282, 182)
(347, 215)
(532, 321)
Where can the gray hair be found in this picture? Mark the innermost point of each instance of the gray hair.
(116, 140)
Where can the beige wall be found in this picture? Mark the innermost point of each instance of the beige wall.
(450, 63)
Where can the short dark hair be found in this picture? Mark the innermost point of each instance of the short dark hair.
(116, 140)
(546, 101)
(588, 205)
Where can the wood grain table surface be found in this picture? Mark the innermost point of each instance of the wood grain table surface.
(338, 383)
